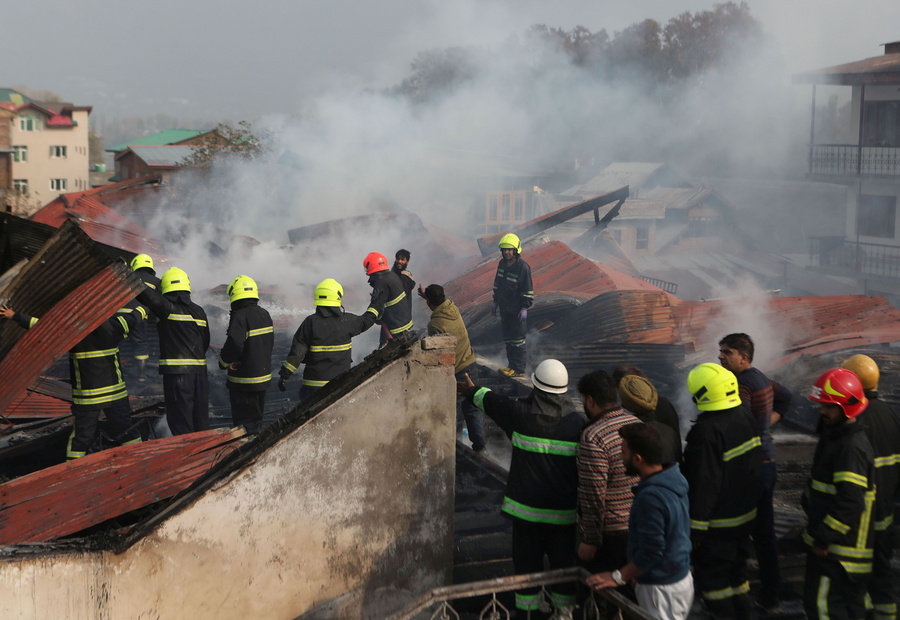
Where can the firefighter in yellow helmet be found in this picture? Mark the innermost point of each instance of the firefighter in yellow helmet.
(513, 295)
(247, 354)
(323, 340)
(183, 342)
(136, 348)
(882, 427)
(722, 460)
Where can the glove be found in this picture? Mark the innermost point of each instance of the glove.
(523, 314)
(281, 385)
(494, 309)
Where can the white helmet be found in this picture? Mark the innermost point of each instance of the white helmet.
(551, 376)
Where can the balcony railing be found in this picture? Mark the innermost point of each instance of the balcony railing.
(444, 603)
(854, 257)
(849, 159)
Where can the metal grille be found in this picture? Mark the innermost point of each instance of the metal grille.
(848, 159)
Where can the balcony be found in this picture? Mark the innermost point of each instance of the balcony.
(852, 160)
(851, 257)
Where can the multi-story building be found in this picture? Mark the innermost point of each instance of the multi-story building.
(43, 150)
(867, 162)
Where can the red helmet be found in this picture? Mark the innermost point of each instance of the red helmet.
(840, 386)
(375, 262)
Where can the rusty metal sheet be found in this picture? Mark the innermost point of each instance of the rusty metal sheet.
(67, 498)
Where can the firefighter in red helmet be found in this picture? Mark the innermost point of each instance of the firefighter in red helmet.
(388, 302)
(839, 502)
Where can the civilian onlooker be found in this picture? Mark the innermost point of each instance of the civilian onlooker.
(639, 398)
(659, 532)
(604, 487)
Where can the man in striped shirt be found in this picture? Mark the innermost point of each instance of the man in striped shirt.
(604, 487)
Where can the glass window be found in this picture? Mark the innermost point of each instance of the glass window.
(29, 123)
(643, 239)
(881, 125)
(492, 208)
(20, 185)
(504, 213)
(57, 151)
(58, 184)
(520, 207)
(876, 215)
(20, 154)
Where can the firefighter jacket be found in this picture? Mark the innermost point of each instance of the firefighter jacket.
(513, 289)
(388, 302)
(323, 343)
(247, 353)
(841, 499)
(183, 332)
(882, 426)
(94, 362)
(545, 430)
(138, 337)
(408, 283)
(722, 461)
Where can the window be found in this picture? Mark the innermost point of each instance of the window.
(643, 238)
(57, 151)
(881, 123)
(702, 227)
(492, 208)
(876, 215)
(520, 207)
(58, 185)
(20, 154)
(20, 185)
(504, 213)
(29, 123)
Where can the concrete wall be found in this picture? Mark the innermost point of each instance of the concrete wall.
(349, 516)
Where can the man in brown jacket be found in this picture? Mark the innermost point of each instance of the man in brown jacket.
(446, 319)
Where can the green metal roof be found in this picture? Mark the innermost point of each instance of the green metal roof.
(162, 138)
(8, 94)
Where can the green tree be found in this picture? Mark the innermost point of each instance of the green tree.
(227, 142)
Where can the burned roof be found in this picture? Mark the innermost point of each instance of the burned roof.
(72, 285)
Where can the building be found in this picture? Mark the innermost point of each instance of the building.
(43, 150)
(131, 163)
(867, 162)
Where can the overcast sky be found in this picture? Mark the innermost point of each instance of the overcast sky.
(242, 60)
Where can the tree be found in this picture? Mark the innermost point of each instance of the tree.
(229, 143)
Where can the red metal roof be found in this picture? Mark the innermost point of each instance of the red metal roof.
(67, 498)
(34, 405)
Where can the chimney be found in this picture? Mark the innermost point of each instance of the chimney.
(892, 48)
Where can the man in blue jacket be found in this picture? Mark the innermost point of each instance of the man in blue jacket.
(659, 532)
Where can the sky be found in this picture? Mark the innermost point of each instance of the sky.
(233, 61)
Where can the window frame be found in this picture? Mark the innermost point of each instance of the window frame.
(58, 152)
(20, 154)
(59, 185)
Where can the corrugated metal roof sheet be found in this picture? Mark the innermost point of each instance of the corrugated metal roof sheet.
(88, 286)
(160, 138)
(881, 69)
(166, 156)
(67, 498)
(34, 405)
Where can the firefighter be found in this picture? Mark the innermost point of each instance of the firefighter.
(541, 489)
(722, 461)
(142, 265)
(96, 378)
(513, 295)
(247, 354)
(882, 426)
(388, 301)
(839, 502)
(323, 340)
(183, 342)
(401, 268)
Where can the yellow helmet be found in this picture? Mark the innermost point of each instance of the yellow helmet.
(140, 261)
(175, 279)
(242, 287)
(713, 387)
(865, 368)
(509, 240)
(329, 292)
